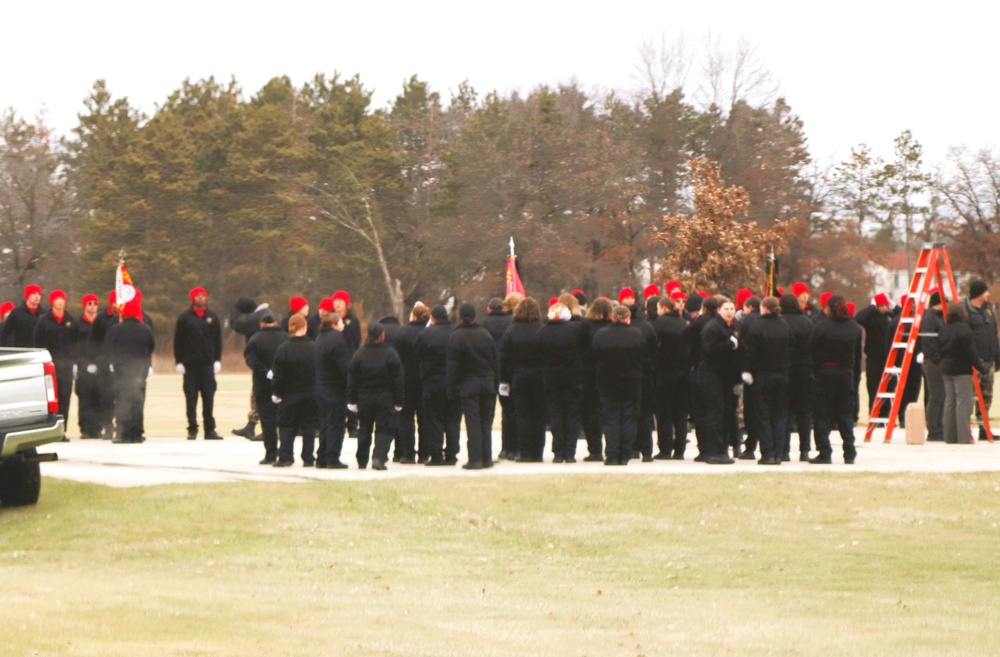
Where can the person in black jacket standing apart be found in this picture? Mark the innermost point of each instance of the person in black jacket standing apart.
(766, 353)
(18, 329)
(619, 350)
(56, 331)
(293, 389)
(198, 354)
(259, 356)
(129, 348)
(717, 382)
(473, 375)
(375, 392)
(835, 347)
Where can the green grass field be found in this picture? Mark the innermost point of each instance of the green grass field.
(816, 564)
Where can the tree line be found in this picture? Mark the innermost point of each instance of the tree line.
(305, 190)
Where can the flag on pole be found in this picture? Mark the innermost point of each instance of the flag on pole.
(771, 279)
(513, 279)
(124, 290)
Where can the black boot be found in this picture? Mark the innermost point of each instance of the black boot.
(247, 431)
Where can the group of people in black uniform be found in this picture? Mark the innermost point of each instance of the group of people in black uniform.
(613, 372)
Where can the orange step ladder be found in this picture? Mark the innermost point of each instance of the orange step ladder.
(933, 270)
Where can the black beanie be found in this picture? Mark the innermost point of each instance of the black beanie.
(693, 304)
(467, 313)
(246, 305)
(439, 313)
(978, 289)
(935, 299)
(375, 331)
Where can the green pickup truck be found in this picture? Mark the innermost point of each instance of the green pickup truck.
(29, 418)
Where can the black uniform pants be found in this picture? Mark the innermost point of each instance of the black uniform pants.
(834, 388)
(130, 397)
(620, 422)
(562, 405)
(673, 401)
(297, 416)
(479, 405)
(874, 365)
(508, 426)
(444, 420)
(647, 418)
(106, 410)
(331, 407)
(199, 380)
(715, 411)
(64, 384)
(934, 399)
(590, 417)
(528, 393)
(750, 422)
(770, 398)
(267, 413)
(407, 422)
(88, 397)
(376, 415)
(800, 408)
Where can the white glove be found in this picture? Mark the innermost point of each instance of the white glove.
(920, 358)
(75, 370)
(276, 399)
(216, 367)
(738, 389)
(398, 408)
(91, 369)
(353, 408)
(180, 368)
(504, 390)
(736, 343)
(270, 375)
(111, 368)
(150, 370)
(747, 378)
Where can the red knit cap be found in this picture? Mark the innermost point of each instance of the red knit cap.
(742, 295)
(823, 298)
(677, 294)
(326, 304)
(703, 294)
(553, 301)
(31, 289)
(112, 297)
(576, 292)
(196, 291)
(671, 286)
(88, 297)
(56, 294)
(651, 290)
(799, 288)
(850, 309)
(625, 293)
(343, 296)
(882, 300)
(5, 308)
(295, 304)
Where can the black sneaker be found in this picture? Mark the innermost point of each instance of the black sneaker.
(821, 460)
(557, 459)
(593, 458)
(378, 464)
(192, 435)
(647, 458)
(212, 435)
(283, 464)
(336, 465)
(719, 459)
(474, 465)
(268, 461)
(848, 460)
(308, 464)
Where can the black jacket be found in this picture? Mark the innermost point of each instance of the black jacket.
(673, 351)
(333, 360)
(563, 344)
(312, 324)
(294, 368)
(959, 351)
(247, 324)
(129, 347)
(693, 336)
(352, 330)
(197, 340)
(878, 333)
(432, 349)
(497, 324)
(767, 345)
(58, 336)
(472, 354)
(718, 351)
(375, 375)
(18, 330)
(930, 325)
(802, 328)
(619, 350)
(405, 344)
(984, 330)
(836, 342)
(88, 352)
(259, 356)
(520, 349)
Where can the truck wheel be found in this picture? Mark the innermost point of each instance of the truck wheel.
(20, 482)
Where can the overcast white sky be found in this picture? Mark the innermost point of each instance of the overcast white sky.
(853, 71)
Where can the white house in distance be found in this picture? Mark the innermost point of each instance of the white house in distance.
(892, 276)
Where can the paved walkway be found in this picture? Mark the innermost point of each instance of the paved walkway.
(177, 460)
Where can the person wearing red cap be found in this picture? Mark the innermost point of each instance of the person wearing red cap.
(877, 323)
(18, 330)
(5, 309)
(198, 354)
(352, 335)
(88, 390)
(742, 295)
(56, 331)
(300, 306)
(626, 296)
(801, 292)
(129, 347)
(649, 291)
